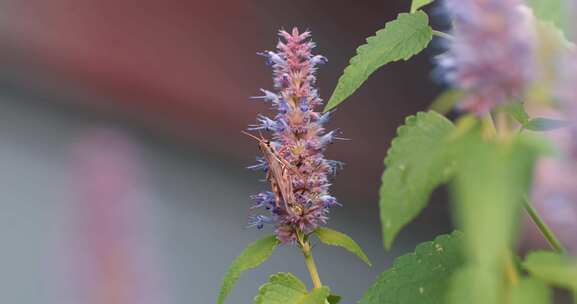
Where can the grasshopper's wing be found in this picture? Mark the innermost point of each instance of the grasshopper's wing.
(275, 188)
(280, 177)
(282, 181)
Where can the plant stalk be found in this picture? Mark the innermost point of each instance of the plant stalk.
(545, 230)
(443, 35)
(511, 270)
(488, 127)
(311, 266)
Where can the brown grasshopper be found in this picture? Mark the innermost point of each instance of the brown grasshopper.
(279, 175)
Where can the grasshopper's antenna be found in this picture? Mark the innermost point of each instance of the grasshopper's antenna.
(251, 136)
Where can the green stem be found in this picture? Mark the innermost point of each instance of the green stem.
(310, 262)
(511, 270)
(488, 127)
(443, 35)
(545, 230)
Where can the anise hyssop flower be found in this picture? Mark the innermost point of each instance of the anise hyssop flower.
(299, 200)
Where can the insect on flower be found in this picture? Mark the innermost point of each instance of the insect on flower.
(293, 159)
(278, 175)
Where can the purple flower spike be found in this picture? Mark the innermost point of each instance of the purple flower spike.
(299, 140)
(263, 200)
(259, 221)
(491, 55)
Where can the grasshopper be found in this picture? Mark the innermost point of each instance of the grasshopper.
(279, 176)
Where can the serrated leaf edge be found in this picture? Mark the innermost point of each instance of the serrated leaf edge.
(419, 250)
(409, 122)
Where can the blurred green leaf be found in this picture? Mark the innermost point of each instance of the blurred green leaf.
(445, 102)
(553, 268)
(463, 125)
(530, 291)
(254, 255)
(489, 184)
(421, 277)
(416, 163)
(472, 285)
(285, 288)
(554, 11)
(417, 4)
(545, 124)
(517, 111)
(335, 238)
(401, 38)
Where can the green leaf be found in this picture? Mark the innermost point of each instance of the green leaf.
(316, 296)
(553, 268)
(545, 124)
(336, 238)
(333, 299)
(417, 4)
(445, 102)
(286, 284)
(416, 163)
(254, 255)
(554, 11)
(530, 291)
(420, 277)
(401, 38)
(489, 184)
(285, 288)
(517, 111)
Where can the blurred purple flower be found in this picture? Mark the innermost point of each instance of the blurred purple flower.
(116, 256)
(298, 138)
(566, 89)
(567, 95)
(491, 55)
(554, 191)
